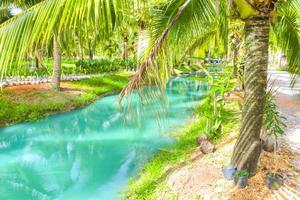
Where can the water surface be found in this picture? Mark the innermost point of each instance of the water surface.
(92, 152)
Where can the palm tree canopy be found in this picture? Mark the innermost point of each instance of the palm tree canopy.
(190, 15)
(171, 21)
(38, 23)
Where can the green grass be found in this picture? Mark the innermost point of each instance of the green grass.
(31, 105)
(108, 84)
(187, 68)
(153, 174)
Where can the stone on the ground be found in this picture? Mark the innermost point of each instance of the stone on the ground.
(201, 138)
(205, 145)
(268, 144)
(34, 80)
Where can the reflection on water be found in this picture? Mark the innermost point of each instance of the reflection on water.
(92, 152)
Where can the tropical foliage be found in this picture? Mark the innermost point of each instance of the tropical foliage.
(171, 30)
(105, 65)
(213, 106)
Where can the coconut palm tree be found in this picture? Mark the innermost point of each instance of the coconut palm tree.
(261, 18)
(56, 75)
(36, 26)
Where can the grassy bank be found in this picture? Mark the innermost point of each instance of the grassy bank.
(152, 177)
(33, 102)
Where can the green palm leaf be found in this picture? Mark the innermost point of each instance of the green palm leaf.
(287, 33)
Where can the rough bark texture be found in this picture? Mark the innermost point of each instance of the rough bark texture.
(248, 147)
(91, 51)
(125, 48)
(38, 58)
(235, 58)
(56, 65)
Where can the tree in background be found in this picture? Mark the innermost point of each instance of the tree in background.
(36, 25)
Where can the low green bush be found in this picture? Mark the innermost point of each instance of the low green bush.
(20, 107)
(28, 68)
(105, 65)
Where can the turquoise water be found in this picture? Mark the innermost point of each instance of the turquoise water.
(90, 153)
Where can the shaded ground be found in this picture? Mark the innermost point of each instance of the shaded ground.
(202, 178)
(32, 102)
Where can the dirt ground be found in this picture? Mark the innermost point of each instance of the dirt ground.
(41, 92)
(24, 99)
(22, 89)
(202, 178)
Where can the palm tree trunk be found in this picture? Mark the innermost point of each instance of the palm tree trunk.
(80, 47)
(81, 51)
(248, 146)
(125, 48)
(38, 59)
(56, 65)
(91, 52)
(235, 58)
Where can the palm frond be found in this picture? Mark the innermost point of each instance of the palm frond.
(287, 33)
(178, 21)
(204, 41)
(20, 3)
(38, 23)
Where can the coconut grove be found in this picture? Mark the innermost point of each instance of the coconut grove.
(149, 99)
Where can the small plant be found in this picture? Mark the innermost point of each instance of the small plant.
(241, 178)
(213, 105)
(274, 180)
(273, 120)
(242, 173)
(274, 127)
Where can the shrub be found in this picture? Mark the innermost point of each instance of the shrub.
(27, 68)
(104, 65)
